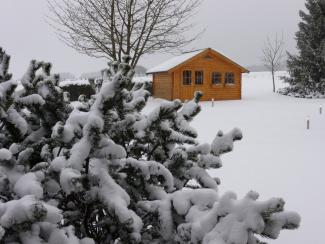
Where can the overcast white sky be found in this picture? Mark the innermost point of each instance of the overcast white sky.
(236, 27)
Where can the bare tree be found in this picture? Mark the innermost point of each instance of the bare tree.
(273, 53)
(114, 28)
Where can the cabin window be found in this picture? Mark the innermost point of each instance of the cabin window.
(199, 77)
(216, 78)
(230, 78)
(187, 77)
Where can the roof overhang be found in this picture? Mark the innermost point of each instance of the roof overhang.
(178, 61)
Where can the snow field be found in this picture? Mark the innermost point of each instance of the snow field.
(278, 156)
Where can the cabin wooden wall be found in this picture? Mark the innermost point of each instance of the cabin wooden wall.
(162, 85)
(208, 65)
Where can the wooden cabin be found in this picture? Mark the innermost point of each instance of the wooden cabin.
(207, 70)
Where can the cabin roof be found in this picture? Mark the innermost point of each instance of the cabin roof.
(183, 58)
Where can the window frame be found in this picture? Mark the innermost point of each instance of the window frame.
(187, 77)
(227, 77)
(213, 78)
(201, 72)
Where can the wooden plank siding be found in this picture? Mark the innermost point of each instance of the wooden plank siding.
(208, 66)
(162, 86)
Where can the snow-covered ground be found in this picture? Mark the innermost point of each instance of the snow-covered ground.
(278, 156)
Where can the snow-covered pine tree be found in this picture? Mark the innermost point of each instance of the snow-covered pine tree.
(307, 69)
(28, 115)
(7, 87)
(109, 173)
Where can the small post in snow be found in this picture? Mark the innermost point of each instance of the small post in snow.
(212, 102)
(320, 109)
(308, 122)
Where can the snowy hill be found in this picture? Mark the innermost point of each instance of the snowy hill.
(278, 156)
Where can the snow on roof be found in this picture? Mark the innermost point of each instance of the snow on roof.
(173, 62)
(234, 58)
(74, 82)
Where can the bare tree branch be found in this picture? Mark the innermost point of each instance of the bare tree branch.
(273, 54)
(113, 28)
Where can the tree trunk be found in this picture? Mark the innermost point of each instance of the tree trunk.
(273, 81)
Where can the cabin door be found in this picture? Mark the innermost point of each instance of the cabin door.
(187, 84)
(187, 92)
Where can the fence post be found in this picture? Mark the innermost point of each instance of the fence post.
(212, 102)
(320, 109)
(308, 122)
